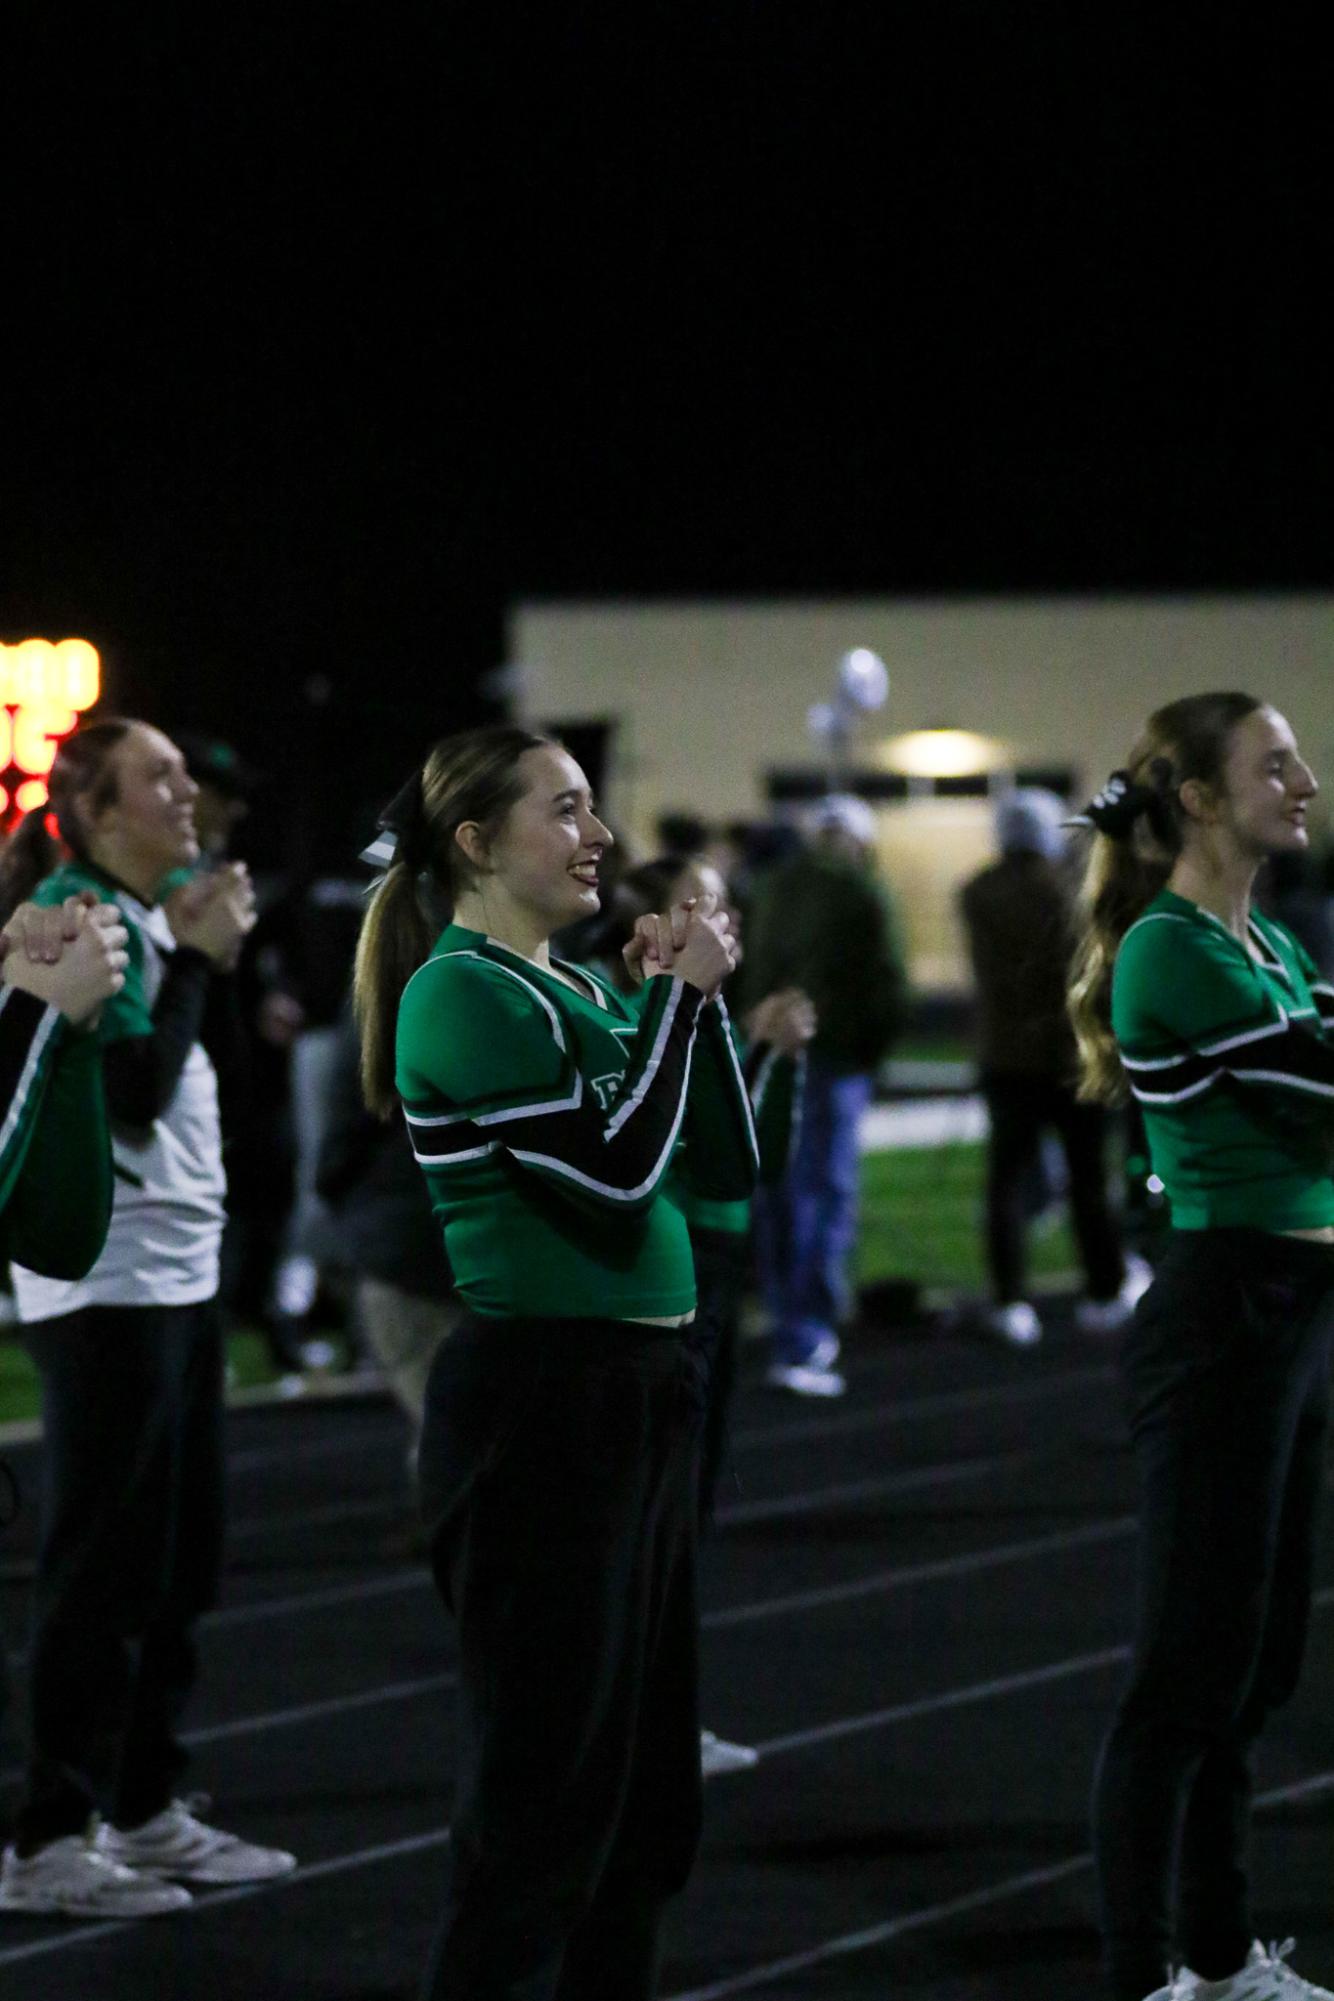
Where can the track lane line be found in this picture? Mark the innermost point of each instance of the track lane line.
(933, 1914)
(934, 1403)
(724, 1618)
(755, 1976)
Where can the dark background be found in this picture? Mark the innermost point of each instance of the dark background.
(331, 329)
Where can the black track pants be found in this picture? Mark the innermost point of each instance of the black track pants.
(131, 1553)
(558, 1470)
(1225, 1368)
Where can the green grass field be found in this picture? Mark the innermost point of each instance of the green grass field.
(921, 1219)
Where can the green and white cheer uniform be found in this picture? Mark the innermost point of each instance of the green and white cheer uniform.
(1230, 1056)
(557, 1129)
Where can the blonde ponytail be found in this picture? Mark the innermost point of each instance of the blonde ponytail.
(396, 937)
(1119, 884)
(473, 776)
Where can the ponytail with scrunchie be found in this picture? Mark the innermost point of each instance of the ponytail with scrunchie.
(1123, 801)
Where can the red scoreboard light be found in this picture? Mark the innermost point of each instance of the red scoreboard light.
(44, 687)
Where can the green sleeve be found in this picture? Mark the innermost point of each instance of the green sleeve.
(775, 1082)
(126, 1013)
(30, 1034)
(1191, 1011)
(721, 1158)
(488, 1066)
(58, 1215)
(479, 1039)
(1177, 981)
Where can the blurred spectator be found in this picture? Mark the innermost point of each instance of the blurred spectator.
(822, 922)
(780, 1028)
(256, 1119)
(388, 1237)
(681, 833)
(305, 945)
(1294, 888)
(1019, 914)
(226, 786)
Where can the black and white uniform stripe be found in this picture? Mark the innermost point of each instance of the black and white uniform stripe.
(617, 1156)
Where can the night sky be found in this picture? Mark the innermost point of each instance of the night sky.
(332, 329)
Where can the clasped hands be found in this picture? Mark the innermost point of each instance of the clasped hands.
(693, 941)
(212, 913)
(71, 955)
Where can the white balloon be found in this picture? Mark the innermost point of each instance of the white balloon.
(863, 678)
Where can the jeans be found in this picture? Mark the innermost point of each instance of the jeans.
(1225, 1369)
(806, 1227)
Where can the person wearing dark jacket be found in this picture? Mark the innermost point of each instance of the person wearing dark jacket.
(387, 1235)
(1018, 914)
(822, 922)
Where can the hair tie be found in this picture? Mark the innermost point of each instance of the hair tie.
(1121, 802)
(403, 834)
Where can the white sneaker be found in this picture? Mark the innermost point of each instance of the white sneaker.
(177, 1844)
(1016, 1323)
(716, 1755)
(804, 1379)
(825, 1352)
(76, 1878)
(1109, 1316)
(1265, 1977)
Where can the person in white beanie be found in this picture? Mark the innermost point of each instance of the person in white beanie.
(1019, 914)
(822, 922)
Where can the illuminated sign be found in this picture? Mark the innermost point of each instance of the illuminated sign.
(44, 687)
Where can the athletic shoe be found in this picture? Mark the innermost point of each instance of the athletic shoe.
(716, 1755)
(177, 1844)
(1265, 1977)
(1109, 1316)
(825, 1352)
(74, 1877)
(804, 1379)
(1016, 1323)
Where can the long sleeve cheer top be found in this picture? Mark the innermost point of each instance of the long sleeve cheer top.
(547, 1121)
(55, 1150)
(1230, 1056)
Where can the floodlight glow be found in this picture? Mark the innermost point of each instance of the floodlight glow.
(863, 678)
(943, 753)
(823, 721)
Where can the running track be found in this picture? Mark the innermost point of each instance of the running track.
(916, 1604)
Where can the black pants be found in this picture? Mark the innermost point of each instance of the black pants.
(132, 1409)
(558, 1468)
(1020, 1109)
(722, 1262)
(1226, 1368)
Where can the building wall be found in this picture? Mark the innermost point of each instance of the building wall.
(709, 697)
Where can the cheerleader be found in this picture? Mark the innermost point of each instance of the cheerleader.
(130, 1356)
(1220, 1025)
(558, 1456)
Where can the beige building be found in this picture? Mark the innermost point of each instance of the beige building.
(708, 702)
